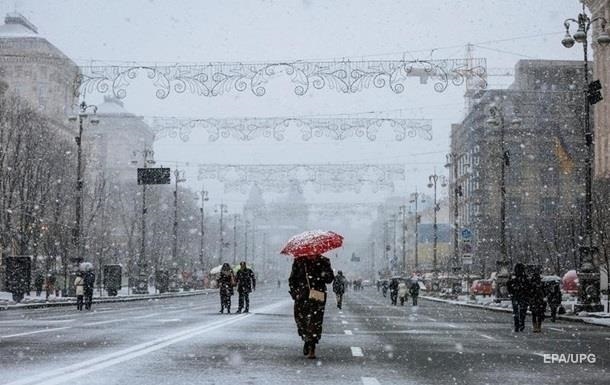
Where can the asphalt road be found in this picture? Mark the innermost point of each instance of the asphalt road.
(186, 341)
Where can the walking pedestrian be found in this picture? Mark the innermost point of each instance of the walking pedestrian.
(518, 288)
(384, 288)
(246, 283)
(394, 291)
(414, 291)
(402, 292)
(537, 302)
(339, 287)
(79, 287)
(89, 282)
(38, 284)
(554, 299)
(226, 282)
(50, 285)
(307, 283)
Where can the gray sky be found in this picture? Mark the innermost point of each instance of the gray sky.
(150, 31)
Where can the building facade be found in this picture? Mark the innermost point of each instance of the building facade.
(540, 117)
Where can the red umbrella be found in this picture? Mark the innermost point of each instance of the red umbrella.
(312, 243)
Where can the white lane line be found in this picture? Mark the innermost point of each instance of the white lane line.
(488, 337)
(369, 381)
(169, 320)
(344, 322)
(431, 319)
(34, 332)
(348, 332)
(559, 330)
(452, 326)
(70, 372)
(357, 352)
(104, 322)
(146, 316)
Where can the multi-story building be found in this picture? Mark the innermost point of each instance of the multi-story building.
(35, 69)
(540, 117)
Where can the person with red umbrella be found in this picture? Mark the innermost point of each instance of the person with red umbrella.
(311, 272)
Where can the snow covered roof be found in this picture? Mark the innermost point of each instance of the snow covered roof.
(16, 25)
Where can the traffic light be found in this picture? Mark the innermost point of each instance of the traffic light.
(594, 93)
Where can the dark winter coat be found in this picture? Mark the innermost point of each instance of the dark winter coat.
(339, 284)
(246, 281)
(226, 281)
(536, 295)
(554, 296)
(414, 290)
(518, 287)
(89, 279)
(319, 271)
(394, 286)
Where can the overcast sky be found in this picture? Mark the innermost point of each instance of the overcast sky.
(155, 31)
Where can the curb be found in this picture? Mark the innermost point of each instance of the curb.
(503, 310)
(72, 302)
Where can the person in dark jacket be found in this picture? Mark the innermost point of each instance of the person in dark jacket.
(38, 284)
(414, 291)
(89, 279)
(394, 291)
(518, 289)
(537, 302)
(554, 299)
(226, 282)
(246, 283)
(307, 284)
(339, 285)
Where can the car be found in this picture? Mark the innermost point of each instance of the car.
(482, 287)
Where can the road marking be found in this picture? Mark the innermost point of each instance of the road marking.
(344, 322)
(452, 326)
(170, 320)
(488, 337)
(559, 330)
(104, 322)
(369, 381)
(357, 352)
(431, 319)
(34, 332)
(70, 372)
(145, 316)
(348, 332)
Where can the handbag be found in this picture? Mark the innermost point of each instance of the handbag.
(314, 295)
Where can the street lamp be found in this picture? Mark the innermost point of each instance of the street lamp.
(497, 119)
(177, 179)
(415, 198)
(204, 198)
(223, 210)
(82, 116)
(588, 292)
(142, 281)
(452, 162)
(433, 181)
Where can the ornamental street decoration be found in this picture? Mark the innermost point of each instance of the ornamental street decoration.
(345, 77)
(277, 128)
(280, 178)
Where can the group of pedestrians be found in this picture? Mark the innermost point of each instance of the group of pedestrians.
(83, 285)
(244, 280)
(530, 292)
(400, 290)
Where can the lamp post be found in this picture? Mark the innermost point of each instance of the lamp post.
(415, 197)
(142, 281)
(433, 181)
(235, 218)
(177, 179)
(497, 119)
(223, 210)
(204, 198)
(83, 115)
(403, 229)
(588, 276)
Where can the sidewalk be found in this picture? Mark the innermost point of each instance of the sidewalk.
(41, 302)
(599, 319)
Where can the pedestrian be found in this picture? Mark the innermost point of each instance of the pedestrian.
(226, 282)
(50, 285)
(378, 285)
(307, 283)
(394, 291)
(554, 299)
(414, 291)
(339, 285)
(89, 281)
(246, 283)
(537, 302)
(79, 287)
(518, 289)
(38, 284)
(384, 288)
(402, 292)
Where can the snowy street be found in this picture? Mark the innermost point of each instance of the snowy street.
(185, 340)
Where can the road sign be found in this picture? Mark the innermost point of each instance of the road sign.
(466, 248)
(466, 259)
(153, 176)
(466, 234)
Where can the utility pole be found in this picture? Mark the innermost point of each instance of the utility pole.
(403, 227)
(415, 199)
(177, 179)
(222, 239)
(235, 216)
(246, 224)
(142, 281)
(204, 198)
(394, 256)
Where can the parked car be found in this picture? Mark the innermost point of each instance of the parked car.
(482, 287)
